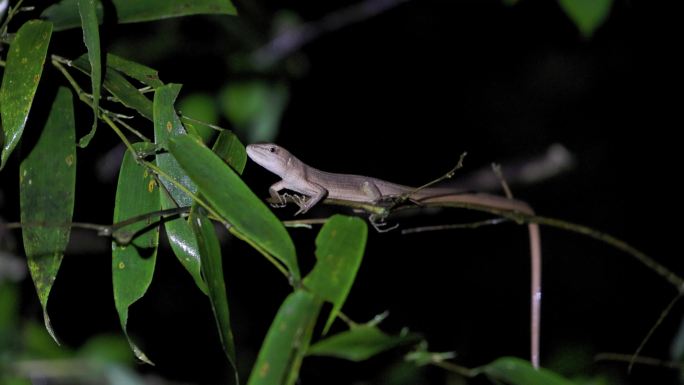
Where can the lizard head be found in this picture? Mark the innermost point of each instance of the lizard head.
(270, 156)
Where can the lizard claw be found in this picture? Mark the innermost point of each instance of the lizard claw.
(379, 224)
(301, 202)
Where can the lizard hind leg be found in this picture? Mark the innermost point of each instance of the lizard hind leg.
(378, 223)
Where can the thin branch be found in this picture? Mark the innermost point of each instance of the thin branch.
(13, 11)
(294, 38)
(448, 175)
(496, 168)
(629, 358)
(523, 218)
(186, 118)
(472, 225)
(120, 120)
(306, 223)
(660, 320)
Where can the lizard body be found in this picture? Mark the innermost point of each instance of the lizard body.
(316, 184)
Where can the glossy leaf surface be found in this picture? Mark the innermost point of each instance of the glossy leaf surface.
(23, 69)
(47, 182)
(137, 71)
(133, 264)
(231, 150)
(233, 200)
(120, 87)
(65, 13)
(91, 38)
(212, 268)
(286, 342)
(181, 237)
(358, 344)
(515, 371)
(339, 250)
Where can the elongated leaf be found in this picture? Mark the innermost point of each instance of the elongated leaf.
(515, 371)
(120, 87)
(231, 150)
(339, 251)
(588, 15)
(127, 93)
(23, 70)
(181, 237)
(65, 14)
(137, 71)
(233, 200)
(47, 181)
(212, 268)
(133, 264)
(286, 342)
(91, 38)
(359, 343)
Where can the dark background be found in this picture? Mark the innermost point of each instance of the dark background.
(400, 96)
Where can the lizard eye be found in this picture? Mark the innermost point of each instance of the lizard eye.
(272, 149)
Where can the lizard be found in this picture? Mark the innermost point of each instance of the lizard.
(316, 185)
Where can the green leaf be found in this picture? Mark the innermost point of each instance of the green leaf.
(254, 108)
(212, 268)
(91, 38)
(359, 343)
(120, 87)
(133, 264)
(234, 201)
(339, 251)
(127, 93)
(23, 69)
(137, 71)
(180, 235)
(231, 150)
(515, 371)
(286, 342)
(200, 108)
(588, 15)
(47, 181)
(65, 14)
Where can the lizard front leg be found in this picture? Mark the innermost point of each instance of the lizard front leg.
(315, 193)
(273, 191)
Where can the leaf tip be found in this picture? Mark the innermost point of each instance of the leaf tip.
(48, 327)
(139, 354)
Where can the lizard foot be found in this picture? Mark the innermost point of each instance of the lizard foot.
(282, 200)
(300, 200)
(379, 224)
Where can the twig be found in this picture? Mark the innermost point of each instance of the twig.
(10, 14)
(664, 314)
(448, 175)
(306, 223)
(127, 126)
(294, 38)
(193, 120)
(629, 358)
(502, 180)
(472, 225)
